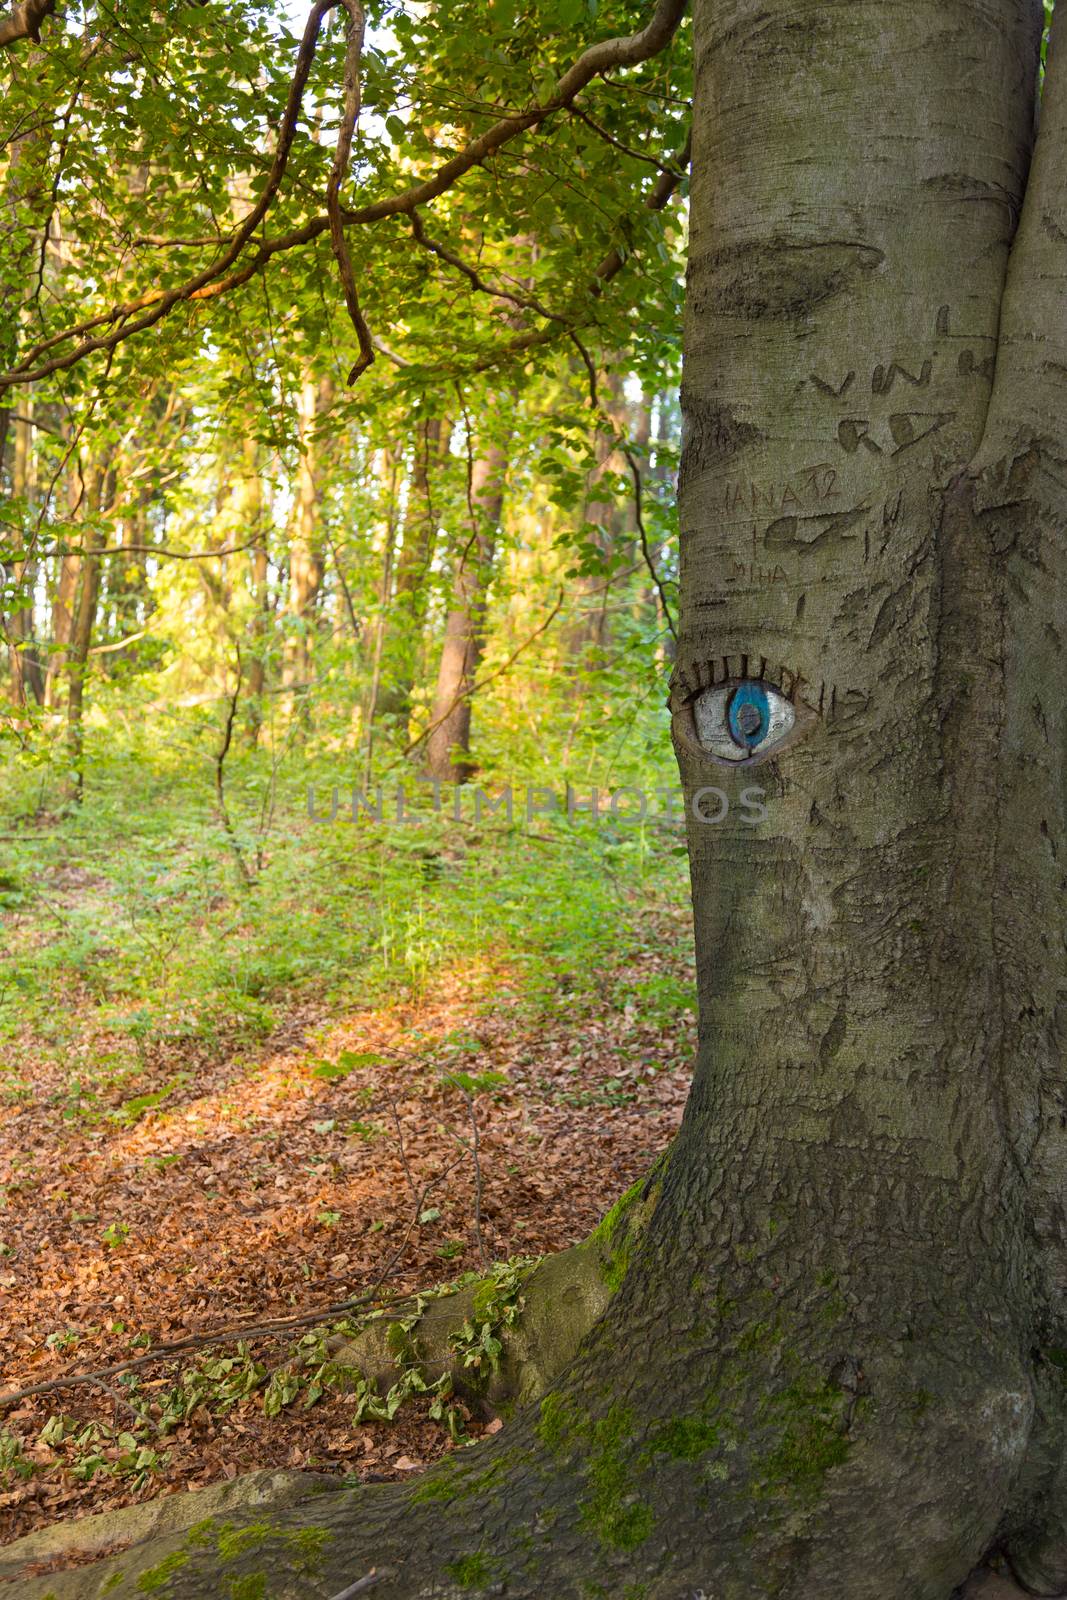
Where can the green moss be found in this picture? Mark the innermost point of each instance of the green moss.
(306, 1547)
(440, 1484)
(114, 1581)
(559, 1425)
(920, 1403)
(156, 1578)
(606, 1227)
(615, 1245)
(451, 1482)
(232, 1542)
(759, 1338)
(687, 1438)
(611, 1510)
(811, 1441)
(253, 1586)
(201, 1534)
(471, 1572)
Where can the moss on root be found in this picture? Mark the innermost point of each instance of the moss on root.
(610, 1509)
(615, 1237)
(158, 1577)
(811, 1440)
(250, 1586)
(471, 1572)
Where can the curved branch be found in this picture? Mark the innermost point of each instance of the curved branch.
(524, 302)
(627, 150)
(608, 268)
(155, 306)
(354, 30)
(24, 22)
(625, 51)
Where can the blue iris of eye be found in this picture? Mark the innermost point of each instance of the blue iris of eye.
(748, 716)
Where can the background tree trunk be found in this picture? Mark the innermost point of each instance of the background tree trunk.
(461, 652)
(589, 631)
(305, 549)
(84, 615)
(23, 661)
(408, 608)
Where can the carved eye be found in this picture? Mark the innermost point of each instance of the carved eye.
(742, 721)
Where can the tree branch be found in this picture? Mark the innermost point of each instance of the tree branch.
(148, 309)
(627, 150)
(622, 443)
(524, 302)
(608, 268)
(355, 26)
(24, 22)
(156, 305)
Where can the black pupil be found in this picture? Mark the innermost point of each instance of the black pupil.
(750, 719)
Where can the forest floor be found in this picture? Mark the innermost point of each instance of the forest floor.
(213, 1186)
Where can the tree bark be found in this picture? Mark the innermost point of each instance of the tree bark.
(461, 652)
(389, 473)
(24, 664)
(81, 633)
(251, 523)
(408, 610)
(587, 636)
(829, 1366)
(305, 551)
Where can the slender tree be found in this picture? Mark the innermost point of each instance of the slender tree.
(410, 592)
(464, 640)
(306, 544)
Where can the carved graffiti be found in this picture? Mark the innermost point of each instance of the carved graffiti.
(804, 488)
(828, 388)
(883, 378)
(906, 429)
(755, 571)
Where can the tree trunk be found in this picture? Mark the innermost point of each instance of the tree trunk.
(63, 605)
(305, 551)
(586, 637)
(450, 717)
(388, 479)
(831, 1364)
(251, 524)
(400, 660)
(84, 615)
(22, 651)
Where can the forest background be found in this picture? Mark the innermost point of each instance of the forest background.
(238, 1042)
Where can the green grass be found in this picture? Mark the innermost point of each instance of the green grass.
(128, 913)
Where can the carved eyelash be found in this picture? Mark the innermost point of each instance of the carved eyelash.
(693, 677)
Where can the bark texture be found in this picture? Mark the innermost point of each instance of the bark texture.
(450, 717)
(306, 546)
(410, 592)
(828, 1369)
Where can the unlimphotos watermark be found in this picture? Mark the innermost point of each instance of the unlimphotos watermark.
(626, 807)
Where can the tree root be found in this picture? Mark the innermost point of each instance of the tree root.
(537, 1316)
